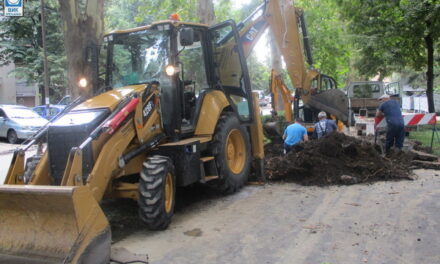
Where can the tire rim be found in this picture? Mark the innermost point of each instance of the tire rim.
(235, 151)
(169, 195)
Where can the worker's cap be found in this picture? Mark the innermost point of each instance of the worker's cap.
(322, 114)
(384, 96)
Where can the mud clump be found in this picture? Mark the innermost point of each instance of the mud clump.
(419, 146)
(335, 159)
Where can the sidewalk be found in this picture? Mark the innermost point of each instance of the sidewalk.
(6, 151)
(6, 148)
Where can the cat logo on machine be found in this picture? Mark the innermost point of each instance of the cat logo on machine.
(251, 34)
(13, 7)
(148, 109)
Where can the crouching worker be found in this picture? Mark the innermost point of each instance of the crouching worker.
(324, 126)
(294, 134)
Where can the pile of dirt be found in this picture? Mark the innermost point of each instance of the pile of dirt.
(417, 145)
(335, 159)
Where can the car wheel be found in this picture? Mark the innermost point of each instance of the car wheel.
(12, 136)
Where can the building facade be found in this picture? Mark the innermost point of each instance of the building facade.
(16, 91)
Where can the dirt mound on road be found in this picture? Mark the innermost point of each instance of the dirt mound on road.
(335, 159)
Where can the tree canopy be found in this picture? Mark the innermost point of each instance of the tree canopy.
(331, 45)
(20, 43)
(393, 35)
(350, 39)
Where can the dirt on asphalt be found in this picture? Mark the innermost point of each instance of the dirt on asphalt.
(336, 159)
(420, 147)
(332, 160)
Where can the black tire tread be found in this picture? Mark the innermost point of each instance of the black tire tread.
(151, 192)
(16, 136)
(228, 183)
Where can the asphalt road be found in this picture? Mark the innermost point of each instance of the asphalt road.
(6, 151)
(384, 222)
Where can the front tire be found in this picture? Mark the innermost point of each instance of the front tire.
(157, 192)
(12, 136)
(231, 150)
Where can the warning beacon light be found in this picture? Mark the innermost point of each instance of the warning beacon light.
(175, 17)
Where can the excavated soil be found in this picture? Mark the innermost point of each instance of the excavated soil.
(335, 159)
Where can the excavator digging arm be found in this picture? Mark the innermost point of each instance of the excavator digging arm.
(277, 87)
(288, 26)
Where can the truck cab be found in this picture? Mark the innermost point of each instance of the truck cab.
(363, 95)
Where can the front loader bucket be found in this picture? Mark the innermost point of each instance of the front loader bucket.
(52, 224)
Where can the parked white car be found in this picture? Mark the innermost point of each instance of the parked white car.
(19, 122)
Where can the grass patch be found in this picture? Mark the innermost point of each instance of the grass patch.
(424, 135)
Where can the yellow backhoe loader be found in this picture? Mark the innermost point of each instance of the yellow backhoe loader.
(174, 108)
(170, 113)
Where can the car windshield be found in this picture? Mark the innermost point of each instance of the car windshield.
(138, 57)
(365, 90)
(20, 113)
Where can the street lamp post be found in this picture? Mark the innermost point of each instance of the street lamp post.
(43, 36)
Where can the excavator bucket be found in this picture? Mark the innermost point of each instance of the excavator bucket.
(332, 101)
(274, 130)
(52, 224)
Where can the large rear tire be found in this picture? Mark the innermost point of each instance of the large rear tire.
(231, 150)
(157, 192)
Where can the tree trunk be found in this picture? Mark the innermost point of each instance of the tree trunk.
(205, 12)
(430, 71)
(83, 27)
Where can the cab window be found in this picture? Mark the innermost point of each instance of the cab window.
(229, 70)
(191, 59)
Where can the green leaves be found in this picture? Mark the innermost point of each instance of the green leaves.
(153, 10)
(20, 42)
(394, 35)
(389, 34)
(331, 44)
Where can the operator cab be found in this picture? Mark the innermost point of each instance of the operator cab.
(193, 75)
(188, 61)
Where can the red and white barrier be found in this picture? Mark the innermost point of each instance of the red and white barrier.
(409, 120)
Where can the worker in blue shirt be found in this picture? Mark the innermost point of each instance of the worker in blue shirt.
(395, 125)
(293, 134)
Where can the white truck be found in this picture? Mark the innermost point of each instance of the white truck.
(363, 96)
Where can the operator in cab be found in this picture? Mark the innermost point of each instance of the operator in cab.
(395, 125)
(294, 134)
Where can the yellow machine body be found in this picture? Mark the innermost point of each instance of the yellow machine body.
(45, 219)
(51, 224)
